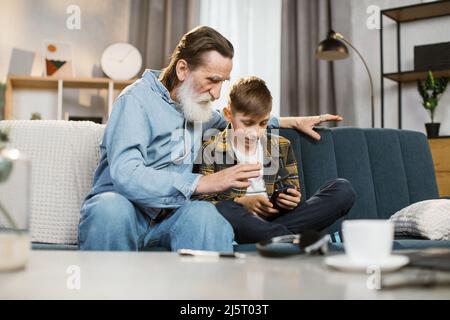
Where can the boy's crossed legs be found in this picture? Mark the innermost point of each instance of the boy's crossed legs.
(333, 201)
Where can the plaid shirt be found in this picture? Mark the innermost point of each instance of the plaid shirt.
(279, 161)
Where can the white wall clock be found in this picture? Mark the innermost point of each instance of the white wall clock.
(121, 61)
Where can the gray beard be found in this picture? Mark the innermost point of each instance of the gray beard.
(193, 110)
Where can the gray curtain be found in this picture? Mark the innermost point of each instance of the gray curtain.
(156, 26)
(307, 85)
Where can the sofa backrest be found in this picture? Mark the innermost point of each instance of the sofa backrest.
(64, 155)
(389, 169)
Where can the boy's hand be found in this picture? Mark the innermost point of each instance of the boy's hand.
(290, 200)
(307, 124)
(234, 177)
(258, 205)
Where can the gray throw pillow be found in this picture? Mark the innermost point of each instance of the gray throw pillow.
(426, 219)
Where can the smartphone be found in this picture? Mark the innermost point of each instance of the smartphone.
(277, 192)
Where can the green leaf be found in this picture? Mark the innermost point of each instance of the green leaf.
(431, 89)
(430, 75)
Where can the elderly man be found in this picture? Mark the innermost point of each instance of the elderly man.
(142, 189)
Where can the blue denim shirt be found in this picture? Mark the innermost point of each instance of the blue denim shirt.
(138, 146)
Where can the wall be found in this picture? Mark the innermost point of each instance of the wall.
(254, 28)
(25, 23)
(367, 41)
(344, 84)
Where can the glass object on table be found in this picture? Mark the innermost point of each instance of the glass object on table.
(15, 175)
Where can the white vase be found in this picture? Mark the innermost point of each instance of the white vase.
(14, 251)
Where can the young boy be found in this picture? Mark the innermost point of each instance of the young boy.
(249, 210)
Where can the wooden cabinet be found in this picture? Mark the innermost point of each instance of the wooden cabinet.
(440, 149)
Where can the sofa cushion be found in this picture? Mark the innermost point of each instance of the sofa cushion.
(389, 169)
(315, 159)
(51, 246)
(64, 155)
(353, 160)
(425, 219)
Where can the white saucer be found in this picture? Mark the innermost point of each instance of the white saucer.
(342, 262)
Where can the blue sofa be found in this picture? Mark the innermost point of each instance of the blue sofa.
(389, 170)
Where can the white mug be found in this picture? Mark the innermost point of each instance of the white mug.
(368, 241)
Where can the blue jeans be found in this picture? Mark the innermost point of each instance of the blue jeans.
(109, 221)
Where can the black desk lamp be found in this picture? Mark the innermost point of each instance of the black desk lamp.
(333, 48)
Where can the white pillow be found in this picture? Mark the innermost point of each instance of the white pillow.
(64, 155)
(428, 219)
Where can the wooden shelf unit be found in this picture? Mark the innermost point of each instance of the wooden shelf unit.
(440, 150)
(401, 15)
(410, 76)
(49, 83)
(418, 11)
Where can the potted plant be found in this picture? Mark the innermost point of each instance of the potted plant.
(431, 91)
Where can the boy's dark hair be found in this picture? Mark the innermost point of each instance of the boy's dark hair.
(250, 96)
(191, 48)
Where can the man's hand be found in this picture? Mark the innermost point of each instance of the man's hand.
(258, 205)
(234, 177)
(290, 200)
(306, 124)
